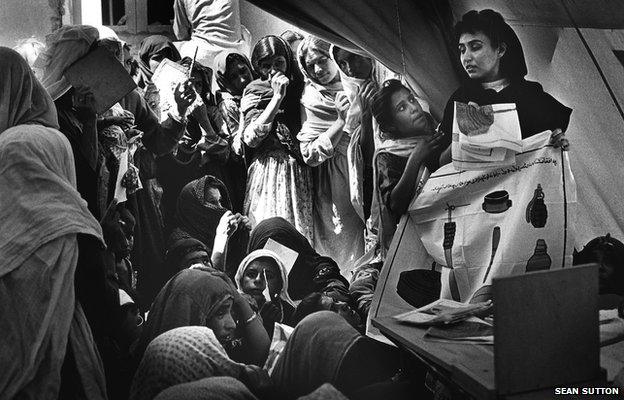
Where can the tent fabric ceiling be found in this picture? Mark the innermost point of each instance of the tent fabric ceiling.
(601, 14)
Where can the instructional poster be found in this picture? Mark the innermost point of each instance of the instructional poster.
(469, 227)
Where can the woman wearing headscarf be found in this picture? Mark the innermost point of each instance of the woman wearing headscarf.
(186, 354)
(264, 271)
(324, 348)
(338, 229)
(233, 73)
(206, 297)
(279, 183)
(311, 272)
(152, 50)
(492, 56)
(41, 216)
(204, 213)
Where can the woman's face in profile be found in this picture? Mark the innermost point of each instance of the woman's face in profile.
(480, 59)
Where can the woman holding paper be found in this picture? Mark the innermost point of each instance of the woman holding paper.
(263, 276)
(492, 56)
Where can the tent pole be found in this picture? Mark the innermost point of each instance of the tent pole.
(594, 60)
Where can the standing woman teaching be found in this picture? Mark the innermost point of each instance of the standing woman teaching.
(492, 56)
(338, 229)
(279, 183)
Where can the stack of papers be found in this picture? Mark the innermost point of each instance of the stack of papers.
(485, 136)
(443, 312)
(451, 321)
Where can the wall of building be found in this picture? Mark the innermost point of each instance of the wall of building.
(20, 19)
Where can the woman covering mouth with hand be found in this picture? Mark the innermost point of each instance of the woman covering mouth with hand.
(492, 56)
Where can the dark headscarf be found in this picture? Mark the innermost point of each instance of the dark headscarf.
(196, 214)
(23, 100)
(311, 271)
(151, 46)
(196, 217)
(269, 46)
(314, 354)
(190, 298)
(221, 63)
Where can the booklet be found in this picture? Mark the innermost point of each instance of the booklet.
(104, 75)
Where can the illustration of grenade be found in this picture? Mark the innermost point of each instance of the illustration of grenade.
(536, 211)
(449, 237)
(540, 260)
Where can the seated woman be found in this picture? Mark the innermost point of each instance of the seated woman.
(411, 146)
(492, 57)
(205, 297)
(263, 270)
(311, 271)
(338, 229)
(279, 183)
(204, 213)
(189, 354)
(324, 348)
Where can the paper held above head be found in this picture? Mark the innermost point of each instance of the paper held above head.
(166, 78)
(104, 75)
(287, 255)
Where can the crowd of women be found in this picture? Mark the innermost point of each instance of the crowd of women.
(303, 143)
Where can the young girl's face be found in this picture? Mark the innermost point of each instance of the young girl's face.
(271, 65)
(253, 282)
(479, 58)
(222, 323)
(238, 75)
(320, 67)
(408, 117)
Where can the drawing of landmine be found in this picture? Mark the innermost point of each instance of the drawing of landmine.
(540, 260)
(536, 211)
(450, 228)
(495, 242)
(473, 121)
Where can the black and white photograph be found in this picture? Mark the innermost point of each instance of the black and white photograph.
(311, 199)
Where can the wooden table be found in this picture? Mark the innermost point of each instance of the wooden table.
(471, 366)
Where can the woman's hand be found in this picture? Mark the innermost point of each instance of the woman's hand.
(279, 83)
(84, 102)
(558, 139)
(270, 312)
(184, 95)
(227, 224)
(257, 381)
(341, 102)
(429, 146)
(366, 94)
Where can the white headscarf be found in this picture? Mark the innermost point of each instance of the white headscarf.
(254, 255)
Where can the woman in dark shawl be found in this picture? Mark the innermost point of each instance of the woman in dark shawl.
(152, 51)
(201, 206)
(205, 297)
(492, 56)
(311, 271)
